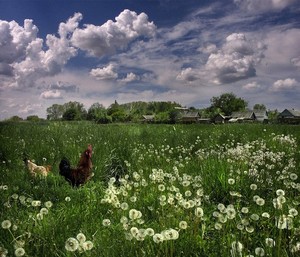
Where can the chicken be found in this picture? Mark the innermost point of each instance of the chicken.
(36, 170)
(79, 175)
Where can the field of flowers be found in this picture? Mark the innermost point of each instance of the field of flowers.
(157, 190)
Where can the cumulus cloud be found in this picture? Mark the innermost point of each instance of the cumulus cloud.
(130, 77)
(106, 73)
(251, 86)
(51, 94)
(187, 75)
(285, 84)
(111, 36)
(263, 6)
(236, 59)
(22, 54)
(208, 48)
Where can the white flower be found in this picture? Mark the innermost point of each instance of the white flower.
(259, 251)
(134, 231)
(293, 212)
(71, 244)
(6, 224)
(19, 252)
(270, 242)
(81, 237)
(134, 214)
(245, 210)
(199, 212)
(280, 192)
(265, 215)
(260, 202)
(68, 199)
(231, 181)
(237, 246)
(218, 226)
(88, 245)
(183, 224)
(149, 231)
(124, 206)
(158, 238)
(48, 204)
(253, 186)
(106, 222)
(44, 211)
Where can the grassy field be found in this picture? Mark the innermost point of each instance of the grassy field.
(185, 190)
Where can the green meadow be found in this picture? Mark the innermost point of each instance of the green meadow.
(181, 190)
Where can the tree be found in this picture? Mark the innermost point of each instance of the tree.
(74, 111)
(96, 111)
(228, 103)
(259, 107)
(55, 112)
(15, 118)
(33, 118)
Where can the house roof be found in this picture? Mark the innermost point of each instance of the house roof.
(294, 112)
(243, 115)
(190, 114)
(148, 117)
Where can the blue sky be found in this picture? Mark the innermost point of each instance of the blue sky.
(147, 50)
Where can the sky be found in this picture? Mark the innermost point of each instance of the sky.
(186, 51)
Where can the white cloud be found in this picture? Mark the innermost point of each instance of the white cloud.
(263, 5)
(130, 77)
(51, 94)
(251, 86)
(208, 49)
(187, 75)
(285, 84)
(236, 59)
(111, 36)
(29, 108)
(106, 73)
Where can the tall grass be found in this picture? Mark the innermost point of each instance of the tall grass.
(158, 190)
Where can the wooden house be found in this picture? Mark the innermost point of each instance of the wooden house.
(291, 116)
(261, 116)
(190, 117)
(244, 116)
(148, 118)
(220, 118)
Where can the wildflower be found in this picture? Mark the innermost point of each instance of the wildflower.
(270, 242)
(284, 222)
(188, 193)
(183, 225)
(253, 187)
(237, 246)
(124, 206)
(158, 238)
(44, 211)
(15, 196)
(149, 232)
(81, 238)
(231, 181)
(218, 226)
(133, 199)
(6, 224)
(240, 226)
(134, 214)
(124, 220)
(134, 231)
(254, 217)
(293, 176)
(36, 203)
(170, 234)
(259, 251)
(106, 222)
(221, 207)
(19, 252)
(230, 212)
(293, 212)
(280, 192)
(39, 216)
(68, 199)
(199, 212)
(88, 245)
(48, 204)
(245, 210)
(265, 215)
(71, 244)
(161, 187)
(249, 229)
(260, 202)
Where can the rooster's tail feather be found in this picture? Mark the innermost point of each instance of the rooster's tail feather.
(64, 167)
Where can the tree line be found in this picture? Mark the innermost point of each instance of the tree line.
(164, 111)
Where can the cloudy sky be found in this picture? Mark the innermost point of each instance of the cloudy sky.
(55, 51)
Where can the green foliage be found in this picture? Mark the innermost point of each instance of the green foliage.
(168, 171)
(228, 103)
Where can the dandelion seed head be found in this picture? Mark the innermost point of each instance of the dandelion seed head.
(6, 224)
(81, 237)
(71, 244)
(19, 252)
